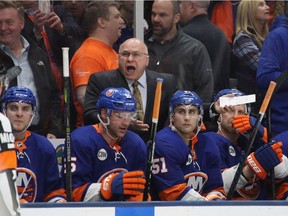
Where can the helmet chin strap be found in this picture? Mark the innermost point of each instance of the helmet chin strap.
(106, 128)
(219, 123)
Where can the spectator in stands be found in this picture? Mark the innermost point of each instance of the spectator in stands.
(38, 177)
(195, 22)
(127, 13)
(76, 8)
(103, 23)
(222, 14)
(133, 60)
(251, 30)
(172, 51)
(16, 50)
(52, 28)
(273, 63)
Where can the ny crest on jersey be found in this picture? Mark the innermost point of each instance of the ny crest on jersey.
(196, 180)
(113, 171)
(26, 184)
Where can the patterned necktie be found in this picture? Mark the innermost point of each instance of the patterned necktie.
(138, 98)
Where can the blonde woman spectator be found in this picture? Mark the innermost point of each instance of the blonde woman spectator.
(251, 30)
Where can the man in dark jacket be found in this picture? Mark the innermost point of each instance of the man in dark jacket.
(133, 59)
(195, 21)
(174, 52)
(36, 73)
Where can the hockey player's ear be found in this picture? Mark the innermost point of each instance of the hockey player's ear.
(104, 115)
(200, 120)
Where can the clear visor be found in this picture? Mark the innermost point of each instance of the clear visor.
(126, 115)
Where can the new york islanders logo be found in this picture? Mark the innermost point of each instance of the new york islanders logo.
(113, 171)
(196, 180)
(110, 92)
(26, 184)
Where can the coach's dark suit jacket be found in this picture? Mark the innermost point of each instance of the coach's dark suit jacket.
(114, 78)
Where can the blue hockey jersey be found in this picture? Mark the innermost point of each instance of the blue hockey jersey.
(282, 184)
(231, 155)
(38, 178)
(178, 167)
(94, 159)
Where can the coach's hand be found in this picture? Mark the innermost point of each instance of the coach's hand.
(124, 183)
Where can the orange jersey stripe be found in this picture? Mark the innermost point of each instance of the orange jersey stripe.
(55, 193)
(172, 193)
(219, 189)
(78, 192)
(281, 190)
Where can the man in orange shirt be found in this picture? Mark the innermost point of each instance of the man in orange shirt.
(103, 23)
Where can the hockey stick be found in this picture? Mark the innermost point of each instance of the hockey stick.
(66, 91)
(269, 139)
(252, 137)
(279, 82)
(151, 150)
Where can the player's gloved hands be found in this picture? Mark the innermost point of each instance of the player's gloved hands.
(214, 196)
(124, 183)
(244, 123)
(265, 158)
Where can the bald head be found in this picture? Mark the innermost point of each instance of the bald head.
(133, 58)
(201, 4)
(192, 8)
(134, 42)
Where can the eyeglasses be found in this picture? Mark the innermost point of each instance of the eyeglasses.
(135, 54)
(127, 116)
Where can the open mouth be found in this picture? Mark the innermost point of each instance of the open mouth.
(130, 69)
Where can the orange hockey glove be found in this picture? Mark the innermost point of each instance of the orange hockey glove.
(244, 123)
(124, 183)
(265, 158)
